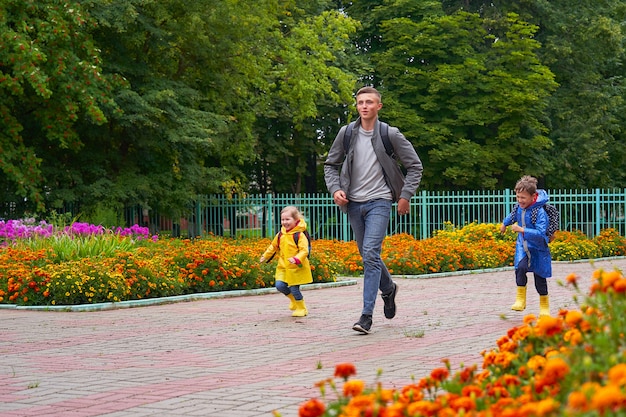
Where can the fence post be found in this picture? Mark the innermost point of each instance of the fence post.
(346, 227)
(270, 220)
(598, 212)
(424, 215)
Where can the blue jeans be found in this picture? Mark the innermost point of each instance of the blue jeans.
(369, 223)
(285, 289)
(521, 279)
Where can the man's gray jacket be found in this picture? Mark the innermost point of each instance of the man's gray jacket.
(338, 164)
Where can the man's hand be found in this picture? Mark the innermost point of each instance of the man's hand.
(403, 206)
(340, 198)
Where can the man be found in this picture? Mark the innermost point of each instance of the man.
(365, 181)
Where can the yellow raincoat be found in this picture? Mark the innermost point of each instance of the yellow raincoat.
(292, 274)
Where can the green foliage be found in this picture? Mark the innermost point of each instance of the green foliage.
(135, 102)
(50, 80)
(477, 91)
(66, 248)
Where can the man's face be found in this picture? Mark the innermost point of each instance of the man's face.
(368, 105)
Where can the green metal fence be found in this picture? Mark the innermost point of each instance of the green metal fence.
(589, 211)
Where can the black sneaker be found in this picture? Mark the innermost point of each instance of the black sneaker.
(364, 324)
(390, 302)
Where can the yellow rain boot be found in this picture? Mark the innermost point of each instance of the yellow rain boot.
(520, 300)
(544, 306)
(300, 310)
(292, 302)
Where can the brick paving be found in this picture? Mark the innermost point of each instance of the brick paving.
(246, 356)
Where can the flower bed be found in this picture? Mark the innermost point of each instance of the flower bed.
(570, 365)
(44, 265)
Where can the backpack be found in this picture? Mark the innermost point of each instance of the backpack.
(384, 135)
(554, 218)
(296, 238)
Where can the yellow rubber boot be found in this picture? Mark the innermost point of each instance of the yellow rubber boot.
(520, 299)
(300, 310)
(292, 302)
(544, 306)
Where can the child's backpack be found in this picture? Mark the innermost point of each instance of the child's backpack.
(296, 238)
(554, 218)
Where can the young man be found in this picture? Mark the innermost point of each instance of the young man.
(365, 181)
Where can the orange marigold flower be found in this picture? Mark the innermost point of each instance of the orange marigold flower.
(609, 278)
(463, 403)
(536, 363)
(439, 374)
(502, 340)
(498, 392)
(573, 317)
(549, 326)
(607, 397)
(523, 372)
(617, 374)
(546, 407)
(411, 393)
(504, 359)
(345, 370)
(573, 336)
(572, 279)
(469, 390)
(353, 388)
(423, 408)
(489, 358)
(393, 410)
(554, 370)
(509, 379)
(577, 401)
(521, 333)
(359, 403)
(467, 373)
(312, 408)
(620, 286)
(502, 407)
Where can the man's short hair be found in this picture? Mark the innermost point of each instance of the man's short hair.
(369, 90)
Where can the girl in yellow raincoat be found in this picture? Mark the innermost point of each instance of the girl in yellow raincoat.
(293, 267)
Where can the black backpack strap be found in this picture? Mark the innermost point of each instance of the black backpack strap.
(278, 246)
(384, 135)
(347, 137)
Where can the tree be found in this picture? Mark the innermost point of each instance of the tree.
(584, 48)
(471, 93)
(309, 79)
(50, 80)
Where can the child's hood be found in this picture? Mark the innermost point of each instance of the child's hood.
(542, 199)
(299, 227)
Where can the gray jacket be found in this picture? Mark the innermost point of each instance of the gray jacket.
(338, 164)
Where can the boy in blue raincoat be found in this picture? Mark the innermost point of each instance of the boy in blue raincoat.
(531, 249)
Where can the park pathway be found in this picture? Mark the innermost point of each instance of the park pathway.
(246, 356)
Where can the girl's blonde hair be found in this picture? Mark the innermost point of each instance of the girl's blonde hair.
(293, 210)
(526, 183)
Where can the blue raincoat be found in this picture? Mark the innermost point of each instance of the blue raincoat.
(533, 243)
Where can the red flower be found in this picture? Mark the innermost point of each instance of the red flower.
(312, 408)
(439, 374)
(345, 370)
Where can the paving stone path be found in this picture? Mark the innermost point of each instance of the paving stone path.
(246, 356)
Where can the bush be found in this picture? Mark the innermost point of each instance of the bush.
(84, 263)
